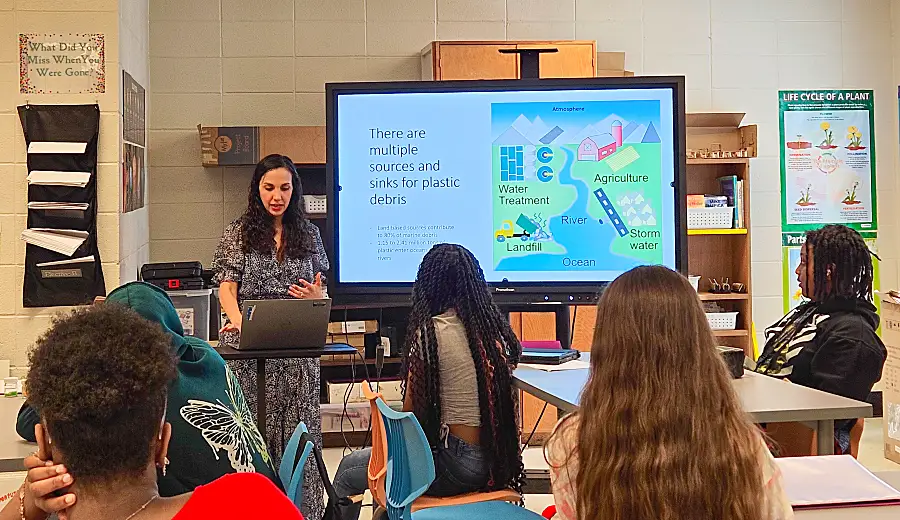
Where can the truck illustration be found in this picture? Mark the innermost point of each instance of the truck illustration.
(507, 229)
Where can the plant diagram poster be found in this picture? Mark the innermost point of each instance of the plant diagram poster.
(791, 243)
(827, 159)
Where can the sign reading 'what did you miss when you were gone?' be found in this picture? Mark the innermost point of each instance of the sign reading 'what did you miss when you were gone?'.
(65, 63)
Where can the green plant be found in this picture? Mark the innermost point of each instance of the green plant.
(851, 194)
(805, 195)
(829, 135)
(855, 137)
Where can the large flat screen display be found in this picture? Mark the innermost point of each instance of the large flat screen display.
(552, 184)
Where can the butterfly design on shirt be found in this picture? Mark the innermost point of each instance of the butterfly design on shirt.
(230, 428)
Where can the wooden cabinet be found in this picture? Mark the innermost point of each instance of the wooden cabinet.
(450, 60)
(722, 253)
(459, 60)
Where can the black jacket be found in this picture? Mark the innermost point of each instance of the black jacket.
(845, 356)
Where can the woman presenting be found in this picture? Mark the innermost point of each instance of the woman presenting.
(273, 252)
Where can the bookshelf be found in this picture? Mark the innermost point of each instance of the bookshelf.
(722, 253)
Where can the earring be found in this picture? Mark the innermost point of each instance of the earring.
(165, 464)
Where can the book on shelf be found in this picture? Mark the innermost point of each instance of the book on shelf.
(733, 190)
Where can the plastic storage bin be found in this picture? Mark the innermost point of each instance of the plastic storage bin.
(711, 218)
(315, 204)
(193, 310)
(722, 320)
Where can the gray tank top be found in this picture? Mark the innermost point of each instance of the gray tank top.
(459, 385)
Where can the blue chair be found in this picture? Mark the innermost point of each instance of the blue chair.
(492, 510)
(410, 469)
(406, 442)
(292, 466)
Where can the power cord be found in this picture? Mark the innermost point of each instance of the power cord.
(572, 325)
(534, 430)
(344, 412)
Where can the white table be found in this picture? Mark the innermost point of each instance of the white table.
(13, 449)
(766, 399)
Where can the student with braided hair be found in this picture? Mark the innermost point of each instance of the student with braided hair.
(829, 342)
(459, 356)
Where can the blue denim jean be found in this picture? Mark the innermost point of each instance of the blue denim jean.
(459, 468)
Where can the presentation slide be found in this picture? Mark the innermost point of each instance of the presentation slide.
(542, 186)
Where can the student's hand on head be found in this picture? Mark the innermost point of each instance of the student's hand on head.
(43, 484)
(306, 290)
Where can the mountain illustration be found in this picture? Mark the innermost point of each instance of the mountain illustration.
(605, 124)
(522, 125)
(537, 130)
(633, 133)
(511, 137)
(575, 137)
(651, 136)
(523, 131)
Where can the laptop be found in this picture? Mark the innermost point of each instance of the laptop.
(285, 324)
(548, 356)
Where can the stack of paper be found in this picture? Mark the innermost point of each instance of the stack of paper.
(53, 178)
(837, 480)
(56, 147)
(63, 241)
(61, 206)
(81, 260)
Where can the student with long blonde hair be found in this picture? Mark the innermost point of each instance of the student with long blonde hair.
(660, 433)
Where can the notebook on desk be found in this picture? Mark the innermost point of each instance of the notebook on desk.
(833, 481)
(285, 324)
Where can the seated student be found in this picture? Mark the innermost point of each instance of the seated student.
(98, 378)
(829, 342)
(660, 432)
(214, 432)
(458, 360)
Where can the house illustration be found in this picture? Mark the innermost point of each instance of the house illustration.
(597, 147)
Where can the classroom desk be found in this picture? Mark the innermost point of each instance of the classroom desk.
(854, 513)
(766, 399)
(13, 449)
(261, 356)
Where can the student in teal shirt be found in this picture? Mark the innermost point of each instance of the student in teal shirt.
(213, 431)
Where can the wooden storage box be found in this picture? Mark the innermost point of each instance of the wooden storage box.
(246, 145)
(449, 60)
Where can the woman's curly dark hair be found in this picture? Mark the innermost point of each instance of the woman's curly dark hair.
(98, 379)
(257, 229)
(450, 277)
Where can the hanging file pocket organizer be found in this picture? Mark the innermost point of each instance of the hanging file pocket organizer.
(62, 261)
(60, 218)
(49, 193)
(68, 278)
